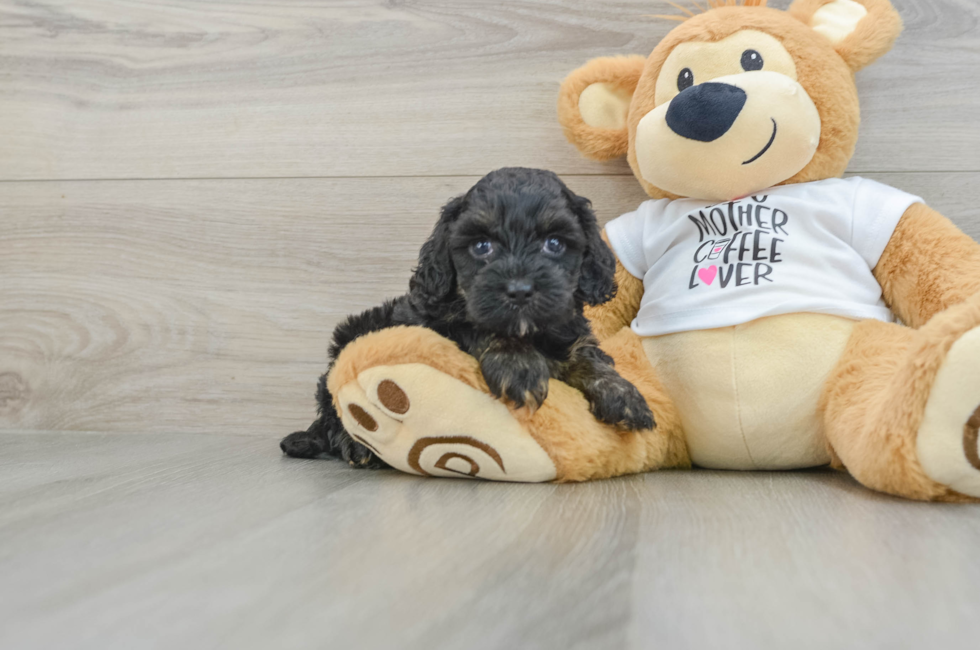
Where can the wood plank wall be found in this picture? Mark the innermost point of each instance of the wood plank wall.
(193, 192)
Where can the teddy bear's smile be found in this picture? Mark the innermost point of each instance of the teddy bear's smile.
(768, 144)
(728, 137)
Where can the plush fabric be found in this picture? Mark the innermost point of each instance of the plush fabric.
(584, 449)
(873, 36)
(953, 461)
(928, 266)
(451, 412)
(597, 142)
(876, 397)
(609, 318)
(748, 395)
(776, 133)
(426, 439)
(826, 76)
(896, 405)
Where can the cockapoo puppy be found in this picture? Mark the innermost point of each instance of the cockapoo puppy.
(505, 275)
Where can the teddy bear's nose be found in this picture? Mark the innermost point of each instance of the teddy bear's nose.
(705, 112)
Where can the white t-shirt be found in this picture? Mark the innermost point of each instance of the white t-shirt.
(808, 247)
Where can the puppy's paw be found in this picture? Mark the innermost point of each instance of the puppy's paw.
(617, 402)
(357, 455)
(521, 379)
(302, 444)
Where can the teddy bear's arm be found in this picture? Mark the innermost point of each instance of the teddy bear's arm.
(928, 266)
(610, 317)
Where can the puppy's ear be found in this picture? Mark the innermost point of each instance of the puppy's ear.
(597, 280)
(435, 277)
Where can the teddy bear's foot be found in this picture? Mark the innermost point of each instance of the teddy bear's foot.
(947, 439)
(422, 421)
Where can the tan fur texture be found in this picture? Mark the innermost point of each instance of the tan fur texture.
(596, 143)
(584, 449)
(826, 76)
(607, 319)
(875, 399)
(743, 399)
(874, 36)
(872, 405)
(581, 447)
(398, 345)
(928, 266)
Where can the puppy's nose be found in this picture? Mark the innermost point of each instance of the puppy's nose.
(705, 112)
(519, 290)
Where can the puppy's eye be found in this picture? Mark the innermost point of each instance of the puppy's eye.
(752, 60)
(685, 79)
(481, 249)
(553, 246)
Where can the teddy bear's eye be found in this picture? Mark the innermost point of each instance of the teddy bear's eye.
(751, 60)
(685, 79)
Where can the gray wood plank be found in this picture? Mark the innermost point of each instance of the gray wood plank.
(166, 306)
(195, 88)
(203, 541)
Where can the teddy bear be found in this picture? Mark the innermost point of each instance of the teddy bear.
(773, 314)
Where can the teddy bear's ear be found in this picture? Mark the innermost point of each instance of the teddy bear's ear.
(593, 104)
(860, 30)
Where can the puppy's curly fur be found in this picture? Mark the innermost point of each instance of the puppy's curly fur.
(505, 275)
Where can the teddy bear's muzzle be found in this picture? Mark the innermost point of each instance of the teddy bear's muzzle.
(705, 112)
(729, 137)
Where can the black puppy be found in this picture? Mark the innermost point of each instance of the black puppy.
(505, 276)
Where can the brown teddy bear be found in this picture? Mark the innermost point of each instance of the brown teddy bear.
(757, 289)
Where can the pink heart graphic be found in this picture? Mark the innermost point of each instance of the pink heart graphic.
(708, 275)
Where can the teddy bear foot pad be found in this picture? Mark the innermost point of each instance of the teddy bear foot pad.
(422, 421)
(948, 436)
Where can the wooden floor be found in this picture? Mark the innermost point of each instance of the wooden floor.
(193, 192)
(207, 541)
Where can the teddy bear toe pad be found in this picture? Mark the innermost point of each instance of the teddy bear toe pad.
(422, 421)
(948, 436)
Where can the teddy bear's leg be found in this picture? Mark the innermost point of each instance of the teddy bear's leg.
(421, 404)
(901, 407)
